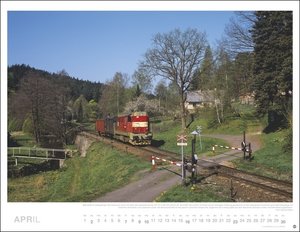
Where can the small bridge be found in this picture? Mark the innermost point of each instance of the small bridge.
(39, 153)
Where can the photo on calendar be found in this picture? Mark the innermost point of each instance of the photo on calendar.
(150, 106)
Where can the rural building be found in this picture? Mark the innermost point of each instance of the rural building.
(196, 99)
(247, 99)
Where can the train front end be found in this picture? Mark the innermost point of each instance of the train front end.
(140, 133)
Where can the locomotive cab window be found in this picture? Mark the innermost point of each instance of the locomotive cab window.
(129, 118)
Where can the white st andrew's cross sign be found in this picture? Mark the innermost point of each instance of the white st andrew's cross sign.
(181, 140)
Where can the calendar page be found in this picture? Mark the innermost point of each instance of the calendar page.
(149, 116)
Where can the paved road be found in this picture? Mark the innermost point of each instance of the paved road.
(150, 186)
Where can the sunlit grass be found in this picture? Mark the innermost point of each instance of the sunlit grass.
(271, 160)
(182, 193)
(169, 141)
(81, 179)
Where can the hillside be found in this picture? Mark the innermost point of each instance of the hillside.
(76, 87)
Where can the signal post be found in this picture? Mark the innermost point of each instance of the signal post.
(194, 156)
(182, 141)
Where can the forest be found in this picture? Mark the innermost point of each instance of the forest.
(253, 58)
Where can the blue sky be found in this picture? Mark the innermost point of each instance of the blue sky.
(95, 45)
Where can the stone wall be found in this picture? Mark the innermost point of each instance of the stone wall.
(83, 143)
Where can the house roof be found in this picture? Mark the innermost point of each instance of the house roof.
(193, 97)
(200, 96)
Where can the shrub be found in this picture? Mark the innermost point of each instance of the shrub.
(28, 125)
(288, 141)
(14, 124)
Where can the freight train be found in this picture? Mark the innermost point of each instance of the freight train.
(133, 128)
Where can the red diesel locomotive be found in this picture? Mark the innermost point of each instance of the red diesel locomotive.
(133, 128)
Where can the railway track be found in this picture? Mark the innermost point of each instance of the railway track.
(279, 189)
(282, 189)
(159, 152)
(269, 185)
(143, 152)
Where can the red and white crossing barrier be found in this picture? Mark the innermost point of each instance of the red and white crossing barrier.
(232, 148)
(153, 158)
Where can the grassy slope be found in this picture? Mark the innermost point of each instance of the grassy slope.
(23, 139)
(271, 160)
(168, 130)
(82, 179)
(181, 193)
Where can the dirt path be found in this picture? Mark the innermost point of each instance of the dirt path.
(235, 140)
(151, 184)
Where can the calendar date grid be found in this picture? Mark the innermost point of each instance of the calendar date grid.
(276, 219)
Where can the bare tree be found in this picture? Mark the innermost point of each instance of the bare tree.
(238, 33)
(176, 56)
(36, 90)
(44, 102)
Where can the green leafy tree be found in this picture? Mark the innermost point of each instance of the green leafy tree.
(161, 93)
(142, 80)
(138, 91)
(80, 106)
(92, 110)
(272, 36)
(114, 96)
(203, 78)
(243, 65)
(28, 125)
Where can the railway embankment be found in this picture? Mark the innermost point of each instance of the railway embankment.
(83, 143)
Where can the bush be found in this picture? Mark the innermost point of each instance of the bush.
(288, 141)
(14, 124)
(212, 124)
(28, 125)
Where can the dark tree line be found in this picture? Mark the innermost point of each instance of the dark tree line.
(273, 67)
(90, 90)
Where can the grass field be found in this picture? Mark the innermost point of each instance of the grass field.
(181, 193)
(243, 119)
(82, 179)
(167, 131)
(271, 160)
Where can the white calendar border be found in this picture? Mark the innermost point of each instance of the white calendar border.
(70, 216)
